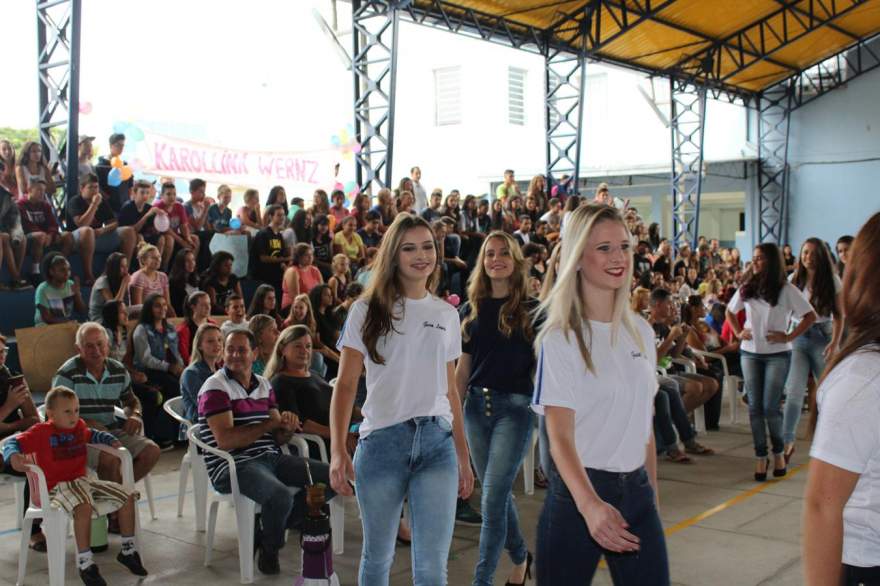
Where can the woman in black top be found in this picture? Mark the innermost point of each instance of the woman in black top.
(321, 297)
(183, 279)
(496, 368)
(322, 243)
(219, 282)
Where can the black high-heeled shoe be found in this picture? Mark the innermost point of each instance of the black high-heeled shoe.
(528, 571)
(762, 476)
(780, 472)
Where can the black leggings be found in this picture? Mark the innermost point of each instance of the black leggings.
(164, 428)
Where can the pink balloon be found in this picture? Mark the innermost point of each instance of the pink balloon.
(85, 108)
(454, 300)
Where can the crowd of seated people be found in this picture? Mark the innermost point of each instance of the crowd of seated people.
(312, 262)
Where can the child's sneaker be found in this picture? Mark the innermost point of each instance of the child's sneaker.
(91, 576)
(132, 561)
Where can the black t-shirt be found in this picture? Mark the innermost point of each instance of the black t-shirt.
(370, 240)
(129, 216)
(328, 327)
(267, 243)
(116, 196)
(641, 263)
(323, 247)
(661, 265)
(77, 206)
(498, 363)
(221, 292)
(308, 397)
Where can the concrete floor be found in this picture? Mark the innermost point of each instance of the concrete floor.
(754, 539)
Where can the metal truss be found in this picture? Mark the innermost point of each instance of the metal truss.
(58, 43)
(687, 128)
(835, 71)
(760, 40)
(774, 117)
(374, 68)
(564, 75)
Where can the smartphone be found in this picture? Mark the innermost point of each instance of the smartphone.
(14, 381)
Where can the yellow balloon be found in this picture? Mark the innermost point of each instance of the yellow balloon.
(116, 162)
(125, 172)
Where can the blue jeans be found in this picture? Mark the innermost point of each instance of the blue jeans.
(415, 459)
(670, 415)
(270, 480)
(567, 554)
(807, 356)
(499, 426)
(764, 379)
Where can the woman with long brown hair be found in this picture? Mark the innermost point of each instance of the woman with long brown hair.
(765, 352)
(412, 443)
(842, 500)
(816, 279)
(495, 372)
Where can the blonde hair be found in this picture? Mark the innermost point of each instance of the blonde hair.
(196, 352)
(276, 362)
(384, 288)
(310, 313)
(338, 260)
(562, 303)
(513, 314)
(258, 323)
(223, 189)
(146, 249)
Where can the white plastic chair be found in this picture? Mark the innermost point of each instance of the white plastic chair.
(55, 520)
(337, 504)
(190, 461)
(729, 383)
(119, 413)
(691, 368)
(245, 511)
(18, 484)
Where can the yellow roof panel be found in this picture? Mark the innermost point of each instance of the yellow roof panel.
(750, 44)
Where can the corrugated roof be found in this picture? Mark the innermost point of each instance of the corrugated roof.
(743, 46)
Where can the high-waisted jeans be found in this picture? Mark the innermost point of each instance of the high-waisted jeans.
(415, 459)
(807, 356)
(499, 426)
(568, 555)
(764, 379)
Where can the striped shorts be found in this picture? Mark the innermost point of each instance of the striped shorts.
(102, 496)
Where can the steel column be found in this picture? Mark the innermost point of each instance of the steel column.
(58, 49)
(774, 120)
(374, 68)
(564, 79)
(687, 128)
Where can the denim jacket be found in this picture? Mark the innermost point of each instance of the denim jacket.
(151, 348)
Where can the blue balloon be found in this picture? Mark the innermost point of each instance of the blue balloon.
(114, 178)
(235, 223)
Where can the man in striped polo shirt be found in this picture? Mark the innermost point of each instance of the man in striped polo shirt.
(102, 383)
(238, 413)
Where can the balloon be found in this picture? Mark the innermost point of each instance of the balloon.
(120, 127)
(125, 172)
(350, 186)
(356, 148)
(85, 108)
(114, 178)
(235, 223)
(335, 141)
(161, 222)
(134, 134)
(453, 300)
(338, 186)
(116, 162)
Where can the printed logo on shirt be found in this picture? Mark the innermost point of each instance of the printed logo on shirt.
(437, 326)
(636, 355)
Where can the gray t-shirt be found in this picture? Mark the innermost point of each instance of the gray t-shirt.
(97, 301)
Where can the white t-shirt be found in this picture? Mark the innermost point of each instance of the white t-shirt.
(808, 294)
(761, 317)
(412, 382)
(847, 436)
(614, 407)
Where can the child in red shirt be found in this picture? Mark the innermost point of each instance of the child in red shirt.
(60, 449)
(177, 217)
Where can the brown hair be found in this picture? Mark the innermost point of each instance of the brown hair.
(861, 299)
(57, 393)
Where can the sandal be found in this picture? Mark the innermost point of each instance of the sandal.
(678, 457)
(788, 453)
(698, 449)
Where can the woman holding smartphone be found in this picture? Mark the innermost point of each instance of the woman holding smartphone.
(412, 443)
(595, 385)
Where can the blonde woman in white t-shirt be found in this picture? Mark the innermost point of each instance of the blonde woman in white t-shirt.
(770, 302)
(412, 443)
(842, 500)
(595, 385)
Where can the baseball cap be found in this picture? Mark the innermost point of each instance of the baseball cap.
(84, 137)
